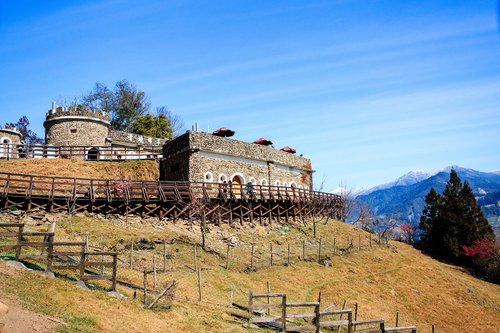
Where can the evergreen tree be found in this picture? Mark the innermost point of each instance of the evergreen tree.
(452, 220)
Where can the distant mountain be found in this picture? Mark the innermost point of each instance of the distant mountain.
(410, 178)
(405, 199)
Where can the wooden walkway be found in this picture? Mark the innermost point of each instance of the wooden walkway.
(188, 200)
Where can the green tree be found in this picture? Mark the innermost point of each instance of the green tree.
(124, 103)
(452, 220)
(156, 126)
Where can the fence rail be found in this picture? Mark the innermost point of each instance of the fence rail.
(192, 200)
(282, 320)
(91, 153)
(53, 252)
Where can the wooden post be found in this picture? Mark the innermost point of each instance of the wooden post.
(356, 314)
(194, 258)
(164, 256)
(250, 305)
(303, 250)
(334, 246)
(288, 257)
(317, 317)
(251, 255)
(19, 241)
(268, 298)
(319, 251)
(314, 228)
(145, 282)
(199, 285)
(115, 269)
(271, 253)
(340, 326)
(397, 318)
(433, 329)
(283, 313)
(370, 235)
(359, 242)
(349, 322)
(227, 256)
(154, 272)
(131, 252)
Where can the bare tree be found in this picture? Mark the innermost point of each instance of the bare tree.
(176, 122)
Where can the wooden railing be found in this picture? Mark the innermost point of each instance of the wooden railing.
(52, 251)
(144, 190)
(259, 312)
(90, 153)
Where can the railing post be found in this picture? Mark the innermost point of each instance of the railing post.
(283, 313)
(115, 268)
(250, 306)
(19, 241)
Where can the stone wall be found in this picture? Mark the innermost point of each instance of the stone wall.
(135, 138)
(75, 132)
(206, 157)
(12, 135)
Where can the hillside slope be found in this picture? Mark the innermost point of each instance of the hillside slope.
(382, 280)
(141, 170)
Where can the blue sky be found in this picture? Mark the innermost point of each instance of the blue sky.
(367, 89)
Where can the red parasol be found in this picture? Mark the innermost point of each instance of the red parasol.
(224, 132)
(263, 142)
(289, 150)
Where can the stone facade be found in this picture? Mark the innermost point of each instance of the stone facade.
(9, 137)
(199, 156)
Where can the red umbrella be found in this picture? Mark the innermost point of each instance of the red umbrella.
(289, 150)
(225, 132)
(263, 142)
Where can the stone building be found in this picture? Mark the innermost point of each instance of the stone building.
(89, 131)
(199, 156)
(8, 138)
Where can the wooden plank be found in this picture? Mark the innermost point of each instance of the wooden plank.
(301, 315)
(8, 247)
(333, 323)
(257, 307)
(68, 243)
(95, 253)
(335, 312)
(8, 225)
(66, 253)
(9, 234)
(303, 304)
(33, 257)
(34, 244)
(96, 277)
(268, 295)
(257, 320)
(400, 329)
(37, 233)
(367, 322)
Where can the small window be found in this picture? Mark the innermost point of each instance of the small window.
(285, 184)
(222, 178)
(263, 182)
(72, 131)
(252, 180)
(208, 177)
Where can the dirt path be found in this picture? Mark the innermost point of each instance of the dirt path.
(21, 320)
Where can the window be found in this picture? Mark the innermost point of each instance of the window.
(222, 178)
(252, 180)
(263, 182)
(72, 131)
(208, 177)
(285, 184)
(277, 183)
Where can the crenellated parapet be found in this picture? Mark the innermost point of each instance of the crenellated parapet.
(76, 112)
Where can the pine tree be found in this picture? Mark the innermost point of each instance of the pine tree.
(452, 220)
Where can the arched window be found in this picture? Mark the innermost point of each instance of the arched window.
(263, 182)
(293, 184)
(222, 178)
(5, 149)
(285, 184)
(208, 177)
(277, 183)
(301, 187)
(252, 180)
(93, 154)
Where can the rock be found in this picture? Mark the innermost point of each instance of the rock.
(49, 275)
(16, 212)
(4, 310)
(248, 325)
(17, 265)
(327, 263)
(233, 241)
(48, 218)
(115, 294)
(393, 292)
(81, 285)
(28, 220)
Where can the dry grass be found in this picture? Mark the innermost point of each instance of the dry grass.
(382, 280)
(143, 170)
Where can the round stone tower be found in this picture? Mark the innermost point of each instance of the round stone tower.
(76, 126)
(9, 138)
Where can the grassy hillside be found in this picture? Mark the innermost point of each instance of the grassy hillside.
(143, 170)
(382, 280)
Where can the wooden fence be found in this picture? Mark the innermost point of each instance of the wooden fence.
(189, 200)
(59, 255)
(260, 306)
(90, 153)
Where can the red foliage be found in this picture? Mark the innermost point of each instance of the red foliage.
(481, 249)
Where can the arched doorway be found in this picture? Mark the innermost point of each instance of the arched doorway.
(5, 148)
(93, 154)
(237, 183)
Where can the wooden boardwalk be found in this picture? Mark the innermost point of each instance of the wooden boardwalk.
(188, 200)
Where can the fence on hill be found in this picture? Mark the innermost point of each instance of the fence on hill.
(60, 256)
(90, 153)
(164, 199)
(288, 316)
